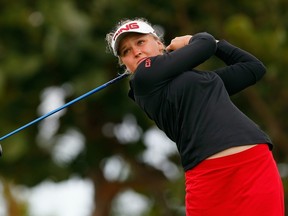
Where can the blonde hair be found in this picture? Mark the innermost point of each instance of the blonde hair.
(109, 35)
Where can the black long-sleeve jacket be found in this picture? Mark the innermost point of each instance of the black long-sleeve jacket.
(193, 107)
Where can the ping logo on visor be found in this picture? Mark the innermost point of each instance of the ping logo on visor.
(127, 27)
(133, 26)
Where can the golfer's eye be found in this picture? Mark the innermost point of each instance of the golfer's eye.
(140, 42)
(125, 52)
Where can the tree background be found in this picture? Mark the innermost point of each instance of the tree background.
(57, 47)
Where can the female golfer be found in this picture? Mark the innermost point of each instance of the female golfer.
(229, 168)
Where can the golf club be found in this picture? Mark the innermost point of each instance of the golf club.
(121, 76)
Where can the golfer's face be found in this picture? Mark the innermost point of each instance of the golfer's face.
(135, 47)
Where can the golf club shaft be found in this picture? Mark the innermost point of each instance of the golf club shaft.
(65, 105)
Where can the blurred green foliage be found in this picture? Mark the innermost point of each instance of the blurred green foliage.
(61, 43)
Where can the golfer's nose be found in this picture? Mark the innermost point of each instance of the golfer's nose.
(136, 52)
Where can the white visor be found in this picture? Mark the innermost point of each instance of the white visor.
(133, 26)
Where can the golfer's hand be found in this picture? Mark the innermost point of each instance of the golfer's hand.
(178, 42)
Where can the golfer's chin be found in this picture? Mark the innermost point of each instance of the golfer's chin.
(132, 69)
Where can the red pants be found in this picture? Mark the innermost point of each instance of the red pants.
(242, 184)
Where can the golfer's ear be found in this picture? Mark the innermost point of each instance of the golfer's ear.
(160, 45)
(120, 62)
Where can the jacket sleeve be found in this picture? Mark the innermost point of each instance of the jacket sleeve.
(242, 70)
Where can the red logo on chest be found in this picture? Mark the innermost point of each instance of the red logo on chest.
(148, 63)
